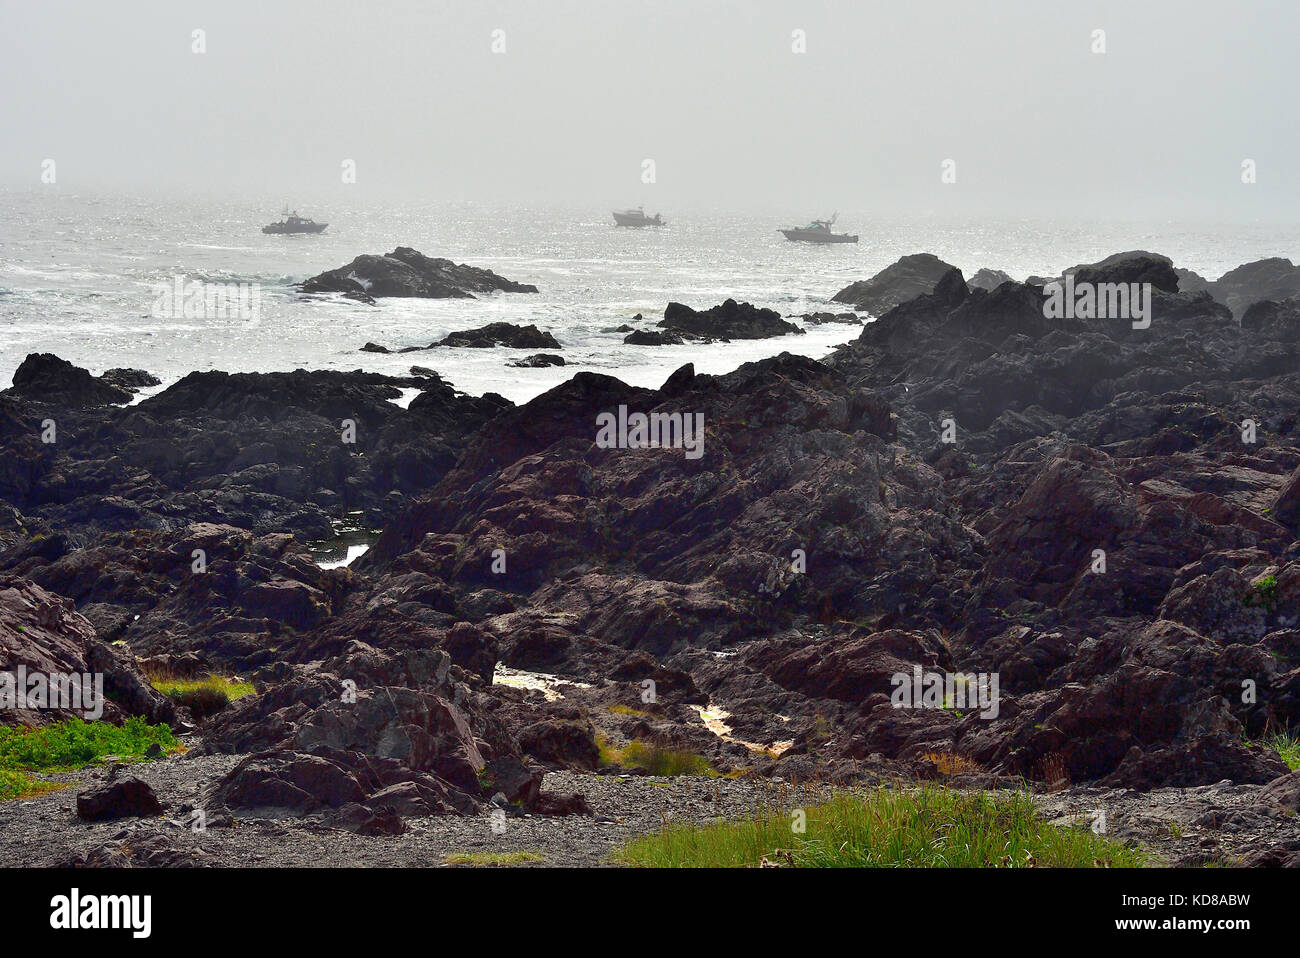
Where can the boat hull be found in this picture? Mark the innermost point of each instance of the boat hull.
(811, 236)
(280, 228)
(622, 219)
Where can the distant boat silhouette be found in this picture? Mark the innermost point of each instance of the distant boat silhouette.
(636, 217)
(293, 223)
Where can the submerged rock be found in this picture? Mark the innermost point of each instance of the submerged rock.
(650, 337)
(538, 361)
(821, 319)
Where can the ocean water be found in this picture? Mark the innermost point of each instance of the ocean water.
(80, 275)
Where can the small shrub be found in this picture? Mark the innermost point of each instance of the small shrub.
(1266, 589)
(950, 764)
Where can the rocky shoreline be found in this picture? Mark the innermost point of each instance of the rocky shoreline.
(1105, 516)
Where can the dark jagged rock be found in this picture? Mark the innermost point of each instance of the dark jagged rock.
(41, 631)
(131, 379)
(538, 361)
(1191, 282)
(1275, 278)
(729, 320)
(821, 319)
(650, 337)
(988, 279)
(1273, 320)
(159, 850)
(1104, 517)
(122, 798)
(257, 450)
(1133, 267)
(1286, 507)
(407, 272)
(501, 334)
(46, 378)
(561, 744)
(910, 277)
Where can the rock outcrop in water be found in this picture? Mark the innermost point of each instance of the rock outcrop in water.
(652, 337)
(408, 272)
(728, 320)
(912, 276)
(56, 382)
(510, 335)
(501, 334)
(537, 361)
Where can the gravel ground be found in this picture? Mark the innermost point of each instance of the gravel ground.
(45, 830)
(1188, 826)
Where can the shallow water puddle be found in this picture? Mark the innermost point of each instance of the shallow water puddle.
(408, 394)
(543, 682)
(715, 720)
(349, 542)
(354, 552)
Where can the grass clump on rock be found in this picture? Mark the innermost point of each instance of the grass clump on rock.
(887, 828)
(203, 697)
(655, 759)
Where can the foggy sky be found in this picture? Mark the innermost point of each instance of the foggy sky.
(1037, 123)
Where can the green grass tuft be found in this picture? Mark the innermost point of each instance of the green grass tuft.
(1286, 744)
(655, 759)
(70, 745)
(887, 828)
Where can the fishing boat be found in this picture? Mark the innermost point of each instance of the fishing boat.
(293, 223)
(636, 217)
(818, 231)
